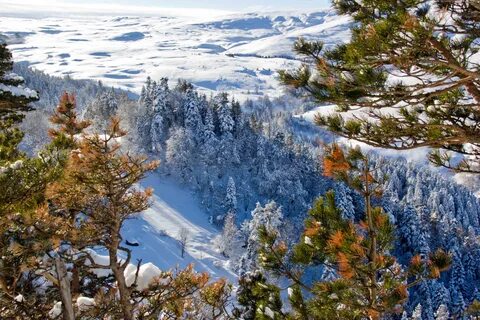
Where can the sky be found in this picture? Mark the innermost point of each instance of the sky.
(152, 6)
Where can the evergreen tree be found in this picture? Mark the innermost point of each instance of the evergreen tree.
(225, 119)
(160, 116)
(417, 313)
(98, 183)
(66, 117)
(14, 98)
(371, 284)
(442, 313)
(231, 197)
(458, 305)
(32, 236)
(228, 242)
(180, 146)
(269, 218)
(414, 56)
(258, 300)
(193, 119)
(102, 109)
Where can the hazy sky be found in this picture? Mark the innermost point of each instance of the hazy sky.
(228, 5)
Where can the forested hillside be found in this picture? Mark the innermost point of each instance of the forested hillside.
(235, 155)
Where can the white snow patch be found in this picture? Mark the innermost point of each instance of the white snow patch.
(56, 311)
(85, 303)
(148, 272)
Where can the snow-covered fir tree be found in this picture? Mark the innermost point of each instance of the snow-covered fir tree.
(271, 217)
(442, 313)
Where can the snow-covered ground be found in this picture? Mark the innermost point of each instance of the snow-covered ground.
(237, 53)
(157, 231)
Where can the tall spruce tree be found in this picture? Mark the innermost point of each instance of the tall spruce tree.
(411, 68)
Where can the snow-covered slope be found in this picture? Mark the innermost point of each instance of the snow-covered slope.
(237, 53)
(157, 231)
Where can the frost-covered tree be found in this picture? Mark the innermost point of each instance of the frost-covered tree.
(231, 197)
(458, 304)
(411, 233)
(442, 313)
(225, 119)
(160, 115)
(178, 155)
(14, 97)
(417, 313)
(269, 217)
(102, 109)
(193, 119)
(228, 243)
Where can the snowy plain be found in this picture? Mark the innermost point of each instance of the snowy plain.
(237, 53)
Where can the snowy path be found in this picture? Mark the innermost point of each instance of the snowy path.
(157, 229)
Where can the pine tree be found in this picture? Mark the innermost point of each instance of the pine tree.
(98, 183)
(415, 57)
(179, 147)
(258, 300)
(160, 117)
(371, 283)
(225, 119)
(66, 117)
(36, 231)
(193, 119)
(458, 305)
(14, 98)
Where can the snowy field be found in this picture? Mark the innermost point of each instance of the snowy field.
(236, 53)
(157, 231)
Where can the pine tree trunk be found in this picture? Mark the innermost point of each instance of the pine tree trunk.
(372, 254)
(75, 280)
(65, 292)
(119, 274)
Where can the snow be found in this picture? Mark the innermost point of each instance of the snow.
(99, 260)
(85, 303)
(157, 231)
(147, 273)
(308, 241)
(290, 292)
(13, 77)
(19, 298)
(269, 313)
(220, 51)
(18, 91)
(56, 311)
